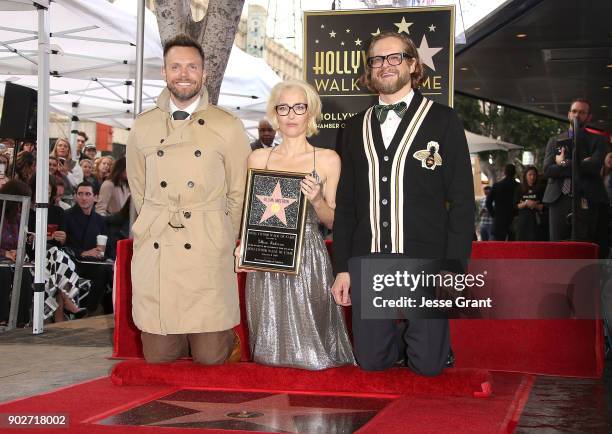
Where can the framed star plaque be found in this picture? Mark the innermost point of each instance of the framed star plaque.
(273, 222)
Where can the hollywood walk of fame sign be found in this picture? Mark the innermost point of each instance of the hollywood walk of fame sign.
(335, 44)
(273, 222)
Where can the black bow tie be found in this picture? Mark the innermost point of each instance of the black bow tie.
(180, 115)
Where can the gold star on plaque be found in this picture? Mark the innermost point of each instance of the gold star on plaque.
(376, 33)
(342, 43)
(432, 28)
(322, 26)
(358, 41)
(403, 26)
(332, 34)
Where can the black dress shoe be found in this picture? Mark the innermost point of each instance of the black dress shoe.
(450, 360)
(401, 363)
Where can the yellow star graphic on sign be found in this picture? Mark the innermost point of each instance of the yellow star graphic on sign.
(348, 30)
(358, 41)
(342, 43)
(332, 34)
(403, 26)
(432, 28)
(377, 32)
(322, 26)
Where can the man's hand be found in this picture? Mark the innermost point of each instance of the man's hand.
(340, 289)
(11, 254)
(93, 253)
(59, 236)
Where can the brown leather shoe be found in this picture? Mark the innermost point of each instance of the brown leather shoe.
(236, 353)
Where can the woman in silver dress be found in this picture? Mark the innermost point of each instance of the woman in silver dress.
(293, 320)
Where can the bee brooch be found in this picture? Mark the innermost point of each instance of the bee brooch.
(429, 158)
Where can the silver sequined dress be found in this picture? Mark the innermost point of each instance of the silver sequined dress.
(293, 319)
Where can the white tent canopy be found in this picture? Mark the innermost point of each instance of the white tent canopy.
(478, 143)
(93, 60)
(91, 46)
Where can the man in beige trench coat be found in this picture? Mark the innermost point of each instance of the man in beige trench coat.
(186, 165)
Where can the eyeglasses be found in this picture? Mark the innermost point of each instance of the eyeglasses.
(284, 109)
(393, 59)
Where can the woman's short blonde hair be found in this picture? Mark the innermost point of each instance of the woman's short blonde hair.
(312, 99)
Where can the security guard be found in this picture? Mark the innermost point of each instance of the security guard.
(186, 164)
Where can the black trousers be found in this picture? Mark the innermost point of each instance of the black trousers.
(592, 224)
(379, 343)
(502, 229)
(25, 298)
(101, 276)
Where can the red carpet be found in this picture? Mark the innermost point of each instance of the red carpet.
(347, 379)
(547, 347)
(90, 402)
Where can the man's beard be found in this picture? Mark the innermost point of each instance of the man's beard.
(387, 87)
(184, 94)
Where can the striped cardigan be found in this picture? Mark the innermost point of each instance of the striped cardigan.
(415, 198)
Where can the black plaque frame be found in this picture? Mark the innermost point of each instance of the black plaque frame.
(255, 250)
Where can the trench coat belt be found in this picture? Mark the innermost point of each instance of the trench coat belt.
(172, 212)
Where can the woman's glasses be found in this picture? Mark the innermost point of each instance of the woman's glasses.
(284, 109)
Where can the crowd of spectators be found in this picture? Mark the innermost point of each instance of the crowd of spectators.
(88, 196)
(511, 210)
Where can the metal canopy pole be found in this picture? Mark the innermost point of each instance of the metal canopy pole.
(140, 21)
(42, 168)
(74, 129)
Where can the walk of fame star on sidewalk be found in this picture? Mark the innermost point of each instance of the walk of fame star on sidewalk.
(273, 412)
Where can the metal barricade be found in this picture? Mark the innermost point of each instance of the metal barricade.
(20, 255)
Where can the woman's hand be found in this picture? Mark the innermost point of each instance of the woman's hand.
(312, 190)
(63, 167)
(11, 254)
(237, 269)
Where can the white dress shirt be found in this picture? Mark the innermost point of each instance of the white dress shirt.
(389, 126)
(189, 109)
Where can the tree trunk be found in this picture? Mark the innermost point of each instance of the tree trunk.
(216, 33)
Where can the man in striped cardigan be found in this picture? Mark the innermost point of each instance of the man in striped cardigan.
(405, 190)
